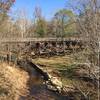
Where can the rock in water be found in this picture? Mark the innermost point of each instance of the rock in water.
(55, 84)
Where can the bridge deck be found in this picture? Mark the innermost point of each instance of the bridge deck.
(11, 40)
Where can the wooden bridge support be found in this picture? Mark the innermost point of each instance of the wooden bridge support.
(43, 47)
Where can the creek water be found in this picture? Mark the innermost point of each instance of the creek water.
(38, 90)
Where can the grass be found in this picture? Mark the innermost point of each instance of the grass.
(62, 64)
(66, 66)
(54, 62)
(13, 82)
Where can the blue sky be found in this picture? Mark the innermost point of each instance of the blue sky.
(49, 7)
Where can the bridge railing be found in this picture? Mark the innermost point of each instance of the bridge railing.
(5, 40)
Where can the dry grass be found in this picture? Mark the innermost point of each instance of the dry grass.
(64, 65)
(13, 82)
(54, 61)
(55, 64)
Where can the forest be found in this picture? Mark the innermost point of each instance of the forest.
(50, 59)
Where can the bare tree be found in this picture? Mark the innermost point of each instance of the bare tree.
(22, 22)
(88, 22)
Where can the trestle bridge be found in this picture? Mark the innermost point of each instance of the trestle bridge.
(40, 46)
